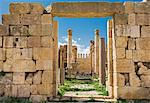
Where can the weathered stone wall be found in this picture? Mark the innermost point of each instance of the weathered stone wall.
(84, 64)
(28, 38)
(131, 57)
(26, 49)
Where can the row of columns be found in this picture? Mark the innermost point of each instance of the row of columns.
(97, 56)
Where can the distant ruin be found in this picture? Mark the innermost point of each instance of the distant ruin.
(29, 48)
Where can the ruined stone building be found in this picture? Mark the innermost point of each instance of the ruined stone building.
(84, 63)
(29, 48)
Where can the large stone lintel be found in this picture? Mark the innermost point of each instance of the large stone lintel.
(86, 9)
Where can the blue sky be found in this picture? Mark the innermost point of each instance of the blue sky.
(83, 28)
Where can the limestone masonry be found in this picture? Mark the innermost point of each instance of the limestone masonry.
(29, 49)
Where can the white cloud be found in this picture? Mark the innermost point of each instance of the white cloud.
(81, 48)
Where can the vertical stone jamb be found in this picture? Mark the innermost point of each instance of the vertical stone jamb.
(109, 57)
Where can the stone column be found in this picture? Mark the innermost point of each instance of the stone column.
(62, 70)
(55, 58)
(91, 57)
(102, 60)
(97, 51)
(69, 51)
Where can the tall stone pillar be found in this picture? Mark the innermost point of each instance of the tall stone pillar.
(92, 56)
(102, 61)
(62, 70)
(97, 51)
(110, 56)
(69, 51)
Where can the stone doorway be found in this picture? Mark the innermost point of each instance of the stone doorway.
(28, 55)
(109, 86)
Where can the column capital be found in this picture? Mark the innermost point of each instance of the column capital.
(97, 32)
(69, 32)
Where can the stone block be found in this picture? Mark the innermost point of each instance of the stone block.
(22, 66)
(2, 54)
(129, 7)
(11, 53)
(19, 8)
(35, 30)
(37, 78)
(23, 90)
(133, 92)
(18, 78)
(120, 52)
(45, 89)
(94, 9)
(141, 7)
(129, 54)
(120, 82)
(7, 65)
(43, 53)
(142, 43)
(29, 78)
(46, 19)
(30, 19)
(36, 8)
(132, 19)
(121, 19)
(124, 66)
(7, 79)
(20, 42)
(2, 88)
(46, 41)
(8, 90)
(16, 53)
(134, 80)
(38, 98)
(145, 80)
(44, 65)
(46, 29)
(131, 43)
(14, 90)
(33, 89)
(4, 30)
(141, 55)
(145, 31)
(120, 30)
(34, 42)
(121, 42)
(9, 19)
(25, 53)
(142, 19)
(8, 41)
(19, 30)
(25, 30)
(135, 31)
(47, 77)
